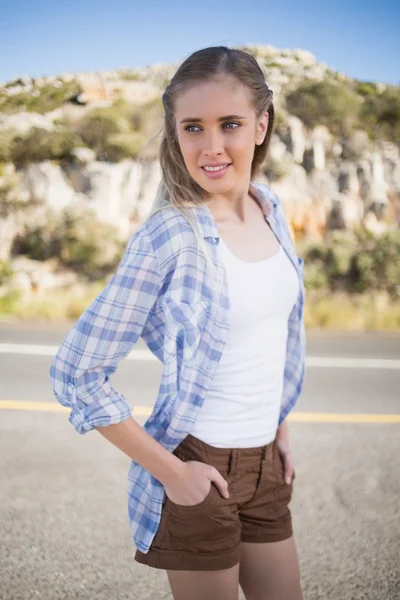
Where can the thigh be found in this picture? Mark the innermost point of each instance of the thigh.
(270, 571)
(205, 585)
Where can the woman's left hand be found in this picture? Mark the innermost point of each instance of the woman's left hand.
(287, 459)
(283, 446)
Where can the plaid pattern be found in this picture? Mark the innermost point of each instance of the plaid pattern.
(165, 292)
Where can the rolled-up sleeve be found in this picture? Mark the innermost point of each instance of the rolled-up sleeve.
(102, 336)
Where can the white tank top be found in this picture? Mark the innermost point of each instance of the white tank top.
(241, 409)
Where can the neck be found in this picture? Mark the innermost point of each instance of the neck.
(235, 205)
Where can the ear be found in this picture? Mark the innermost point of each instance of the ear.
(261, 128)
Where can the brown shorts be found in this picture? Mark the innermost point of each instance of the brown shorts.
(207, 536)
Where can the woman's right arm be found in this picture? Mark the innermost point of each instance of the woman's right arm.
(103, 335)
(186, 482)
(141, 447)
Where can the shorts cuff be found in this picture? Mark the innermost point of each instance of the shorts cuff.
(265, 537)
(186, 561)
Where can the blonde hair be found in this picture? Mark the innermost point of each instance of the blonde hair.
(177, 188)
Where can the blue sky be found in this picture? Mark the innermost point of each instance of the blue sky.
(360, 39)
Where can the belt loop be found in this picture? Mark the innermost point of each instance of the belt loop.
(264, 452)
(232, 461)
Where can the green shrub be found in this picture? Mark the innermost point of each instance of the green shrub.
(38, 243)
(365, 88)
(280, 119)
(10, 199)
(89, 246)
(40, 99)
(10, 302)
(315, 277)
(98, 125)
(338, 258)
(6, 272)
(131, 77)
(148, 117)
(325, 103)
(6, 137)
(122, 145)
(355, 262)
(380, 113)
(39, 144)
(121, 108)
(377, 265)
(78, 240)
(275, 169)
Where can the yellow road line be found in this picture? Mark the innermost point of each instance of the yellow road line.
(145, 411)
(303, 417)
(142, 411)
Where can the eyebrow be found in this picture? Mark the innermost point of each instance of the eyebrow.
(226, 118)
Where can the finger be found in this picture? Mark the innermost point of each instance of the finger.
(220, 482)
(288, 472)
(287, 468)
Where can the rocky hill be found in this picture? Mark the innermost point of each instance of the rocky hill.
(83, 142)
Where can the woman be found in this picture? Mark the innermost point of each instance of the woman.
(212, 283)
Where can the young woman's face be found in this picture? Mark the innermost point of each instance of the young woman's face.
(216, 125)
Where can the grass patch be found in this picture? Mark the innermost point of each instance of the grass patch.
(57, 305)
(333, 311)
(362, 312)
(41, 99)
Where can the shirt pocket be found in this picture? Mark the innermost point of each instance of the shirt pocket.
(184, 324)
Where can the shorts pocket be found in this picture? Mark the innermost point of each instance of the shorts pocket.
(197, 527)
(195, 507)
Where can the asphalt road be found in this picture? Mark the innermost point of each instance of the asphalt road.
(64, 526)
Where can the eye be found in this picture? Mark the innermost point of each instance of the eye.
(188, 127)
(232, 123)
(191, 128)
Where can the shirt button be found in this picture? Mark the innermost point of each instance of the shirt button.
(70, 387)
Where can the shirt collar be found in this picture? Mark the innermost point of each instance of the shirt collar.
(207, 222)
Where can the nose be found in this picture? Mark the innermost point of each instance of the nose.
(213, 143)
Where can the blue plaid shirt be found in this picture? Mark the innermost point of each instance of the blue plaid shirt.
(165, 292)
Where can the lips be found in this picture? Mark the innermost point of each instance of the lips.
(216, 173)
(216, 165)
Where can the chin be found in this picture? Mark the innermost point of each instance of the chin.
(217, 187)
(223, 184)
